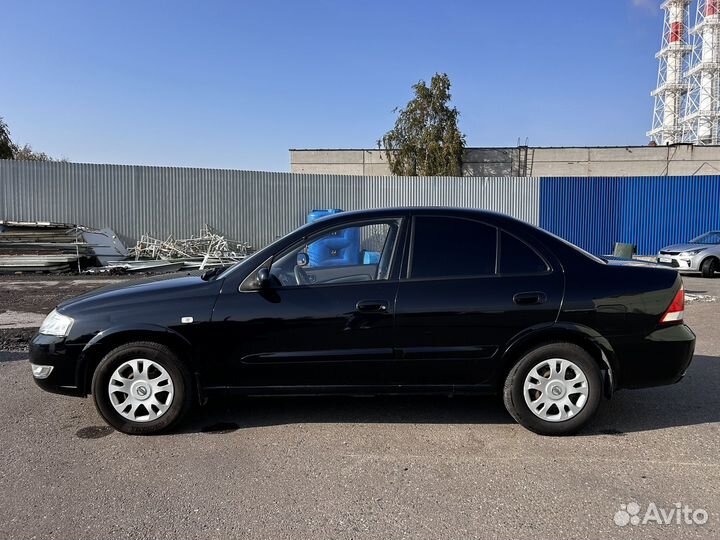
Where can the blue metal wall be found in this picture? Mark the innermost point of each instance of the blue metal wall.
(650, 212)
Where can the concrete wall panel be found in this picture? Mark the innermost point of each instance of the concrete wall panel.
(604, 161)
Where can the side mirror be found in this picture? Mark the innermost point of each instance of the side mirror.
(302, 259)
(263, 278)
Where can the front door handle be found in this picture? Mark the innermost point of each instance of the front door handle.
(529, 298)
(372, 306)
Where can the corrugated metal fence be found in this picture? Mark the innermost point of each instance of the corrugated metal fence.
(252, 206)
(650, 212)
(257, 207)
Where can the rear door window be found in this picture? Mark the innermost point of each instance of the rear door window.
(447, 247)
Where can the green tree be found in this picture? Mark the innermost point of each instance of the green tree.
(7, 148)
(426, 140)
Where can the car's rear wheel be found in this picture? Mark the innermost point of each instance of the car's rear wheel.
(142, 388)
(554, 389)
(708, 267)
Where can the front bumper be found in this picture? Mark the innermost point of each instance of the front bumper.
(680, 263)
(661, 358)
(62, 358)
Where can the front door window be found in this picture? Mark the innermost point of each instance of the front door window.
(349, 254)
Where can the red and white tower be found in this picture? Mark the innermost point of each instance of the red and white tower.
(701, 121)
(672, 86)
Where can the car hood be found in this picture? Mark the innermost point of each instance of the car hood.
(145, 290)
(684, 247)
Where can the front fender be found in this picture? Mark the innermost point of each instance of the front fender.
(95, 349)
(143, 328)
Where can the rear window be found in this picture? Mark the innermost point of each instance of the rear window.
(452, 247)
(516, 257)
(575, 248)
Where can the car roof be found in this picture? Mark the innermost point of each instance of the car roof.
(414, 210)
(496, 219)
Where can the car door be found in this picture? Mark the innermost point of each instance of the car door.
(327, 317)
(468, 288)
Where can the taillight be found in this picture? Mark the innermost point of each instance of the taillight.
(676, 311)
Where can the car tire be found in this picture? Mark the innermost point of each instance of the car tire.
(708, 267)
(157, 386)
(562, 406)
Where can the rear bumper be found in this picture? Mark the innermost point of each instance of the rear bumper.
(53, 351)
(660, 358)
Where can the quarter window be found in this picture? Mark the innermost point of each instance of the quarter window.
(516, 257)
(452, 247)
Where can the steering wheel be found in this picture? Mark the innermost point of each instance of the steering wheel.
(301, 275)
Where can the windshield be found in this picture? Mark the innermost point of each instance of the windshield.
(707, 238)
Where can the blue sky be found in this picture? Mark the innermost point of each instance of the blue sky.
(234, 84)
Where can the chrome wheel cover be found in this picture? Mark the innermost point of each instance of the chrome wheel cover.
(555, 390)
(141, 390)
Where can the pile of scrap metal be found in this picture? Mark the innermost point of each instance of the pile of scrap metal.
(55, 247)
(207, 250)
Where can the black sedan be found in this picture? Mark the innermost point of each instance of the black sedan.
(412, 300)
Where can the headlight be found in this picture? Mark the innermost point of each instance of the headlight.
(691, 252)
(56, 324)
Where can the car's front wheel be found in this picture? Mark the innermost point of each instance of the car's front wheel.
(709, 267)
(554, 389)
(142, 388)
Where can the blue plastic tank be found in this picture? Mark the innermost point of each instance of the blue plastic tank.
(341, 248)
(321, 213)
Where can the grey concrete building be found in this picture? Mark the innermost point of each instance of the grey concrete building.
(676, 160)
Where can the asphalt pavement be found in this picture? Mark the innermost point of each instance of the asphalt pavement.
(403, 467)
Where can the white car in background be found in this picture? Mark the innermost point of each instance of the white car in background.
(701, 254)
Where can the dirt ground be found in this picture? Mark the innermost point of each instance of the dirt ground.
(40, 293)
(23, 295)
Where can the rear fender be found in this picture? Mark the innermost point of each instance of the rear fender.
(584, 336)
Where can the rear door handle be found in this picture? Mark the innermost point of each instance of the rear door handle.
(370, 306)
(529, 298)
